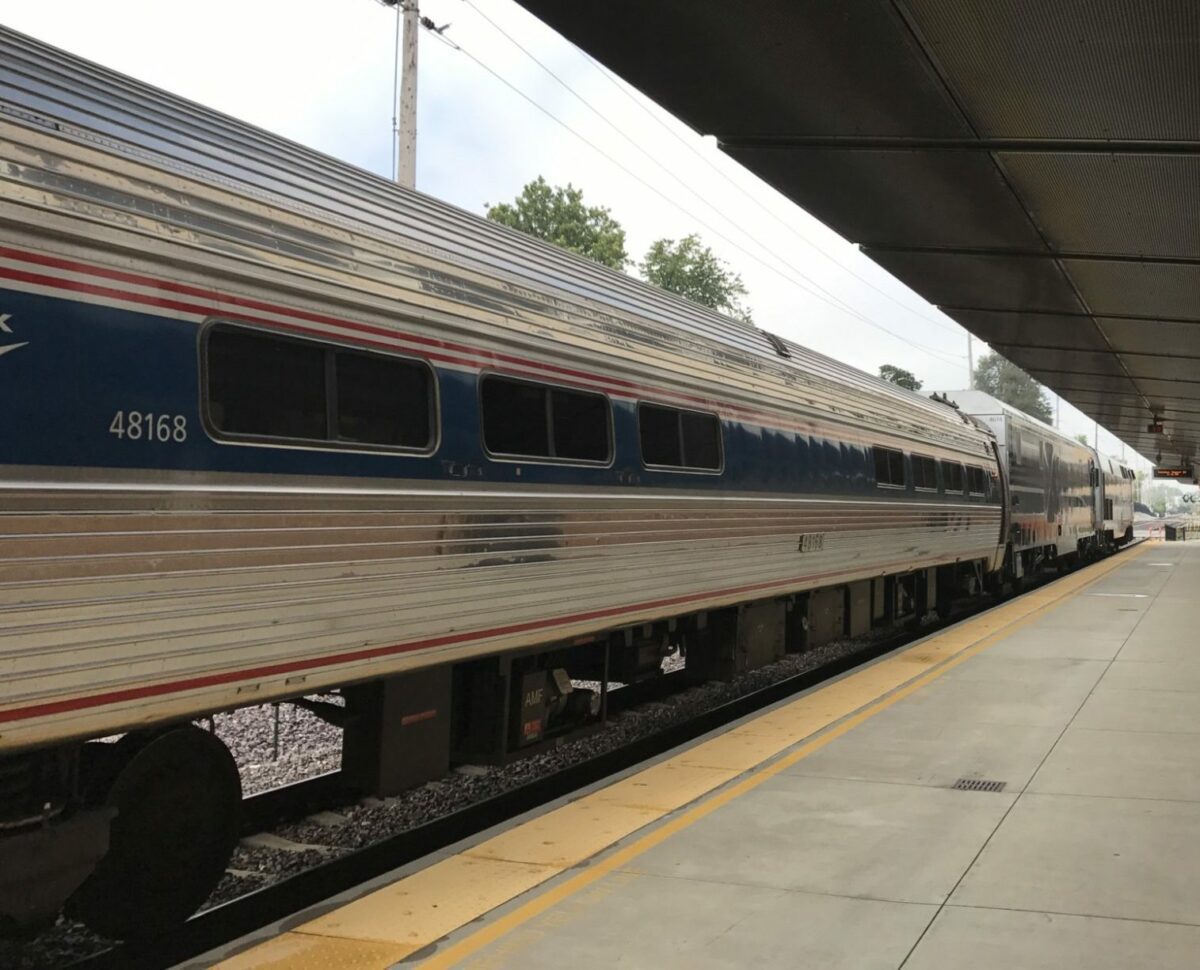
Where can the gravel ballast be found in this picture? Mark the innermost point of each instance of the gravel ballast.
(308, 746)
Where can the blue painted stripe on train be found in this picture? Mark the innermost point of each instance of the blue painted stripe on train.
(82, 363)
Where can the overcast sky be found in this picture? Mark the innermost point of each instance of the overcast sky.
(321, 72)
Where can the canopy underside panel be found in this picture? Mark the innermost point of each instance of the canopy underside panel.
(1031, 168)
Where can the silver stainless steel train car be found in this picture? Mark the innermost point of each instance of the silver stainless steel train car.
(1053, 483)
(276, 426)
(1114, 502)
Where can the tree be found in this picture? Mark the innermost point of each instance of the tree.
(1081, 438)
(691, 269)
(1006, 381)
(900, 376)
(1158, 497)
(558, 215)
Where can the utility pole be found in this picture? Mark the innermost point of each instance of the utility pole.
(970, 364)
(406, 109)
(1058, 410)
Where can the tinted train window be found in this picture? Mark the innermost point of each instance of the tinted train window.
(924, 471)
(515, 418)
(889, 467)
(382, 400)
(953, 477)
(580, 425)
(679, 439)
(976, 480)
(701, 439)
(658, 429)
(267, 386)
(263, 385)
(529, 420)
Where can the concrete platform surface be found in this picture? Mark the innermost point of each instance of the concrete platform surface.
(828, 831)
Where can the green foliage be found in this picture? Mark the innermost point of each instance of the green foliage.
(900, 376)
(558, 215)
(1006, 381)
(1082, 438)
(690, 268)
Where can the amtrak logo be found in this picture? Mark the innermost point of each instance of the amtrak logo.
(5, 328)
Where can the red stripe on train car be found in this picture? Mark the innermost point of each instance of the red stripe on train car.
(272, 670)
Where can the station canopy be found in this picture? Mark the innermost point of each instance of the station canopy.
(1032, 167)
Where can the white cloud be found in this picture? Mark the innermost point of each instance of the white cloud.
(321, 71)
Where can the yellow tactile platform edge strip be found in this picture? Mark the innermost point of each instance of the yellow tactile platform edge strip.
(389, 924)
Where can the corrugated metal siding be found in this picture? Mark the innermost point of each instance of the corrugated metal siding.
(221, 236)
(97, 600)
(117, 587)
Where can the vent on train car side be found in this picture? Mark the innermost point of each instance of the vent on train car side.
(780, 347)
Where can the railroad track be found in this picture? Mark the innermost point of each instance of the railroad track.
(230, 920)
(298, 800)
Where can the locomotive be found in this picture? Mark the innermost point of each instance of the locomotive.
(276, 427)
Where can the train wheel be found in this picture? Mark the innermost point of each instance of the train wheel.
(177, 797)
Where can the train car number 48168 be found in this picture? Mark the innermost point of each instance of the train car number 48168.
(147, 426)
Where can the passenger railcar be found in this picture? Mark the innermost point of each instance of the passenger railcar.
(1053, 483)
(277, 426)
(1114, 502)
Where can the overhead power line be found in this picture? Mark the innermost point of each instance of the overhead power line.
(619, 85)
(842, 304)
(782, 273)
(650, 158)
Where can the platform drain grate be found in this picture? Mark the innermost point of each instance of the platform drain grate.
(978, 784)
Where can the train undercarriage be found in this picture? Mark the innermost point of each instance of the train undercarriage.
(131, 835)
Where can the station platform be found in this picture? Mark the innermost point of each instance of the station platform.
(1019, 790)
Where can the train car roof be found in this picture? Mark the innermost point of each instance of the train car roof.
(980, 403)
(42, 86)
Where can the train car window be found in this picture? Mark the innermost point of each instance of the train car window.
(514, 417)
(658, 430)
(953, 477)
(383, 400)
(263, 385)
(579, 425)
(889, 466)
(924, 471)
(523, 419)
(701, 439)
(674, 438)
(976, 480)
